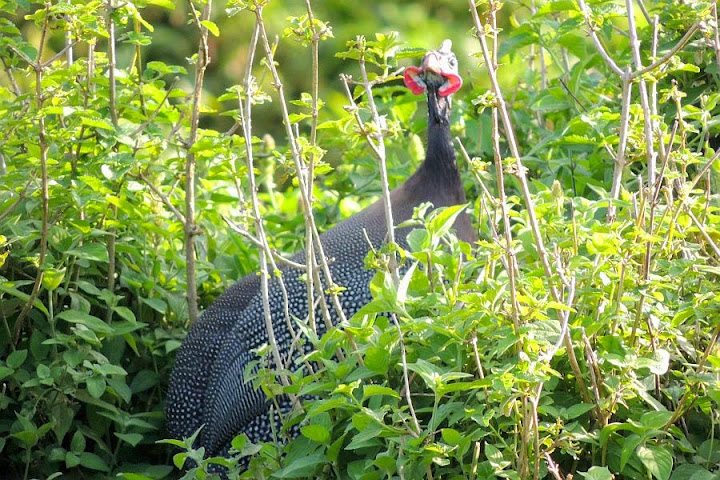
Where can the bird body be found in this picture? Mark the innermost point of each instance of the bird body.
(207, 385)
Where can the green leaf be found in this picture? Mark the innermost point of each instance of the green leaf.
(372, 390)
(377, 359)
(156, 304)
(302, 467)
(316, 433)
(657, 460)
(557, 6)
(577, 410)
(5, 372)
(451, 436)
(162, 3)
(655, 420)
(96, 386)
(131, 438)
(212, 28)
(444, 219)
(16, 358)
(71, 460)
(28, 438)
(97, 123)
(10, 290)
(82, 318)
(659, 364)
(628, 449)
(94, 252)
(125, 313)
(63, 416)
(689, 471)
(144, 380)
(597, 473)
(52, 278)
(78, 444)
(93, 462)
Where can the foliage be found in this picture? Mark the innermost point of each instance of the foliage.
(469, 366)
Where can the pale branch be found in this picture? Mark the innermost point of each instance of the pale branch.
(163, 198)
(191, 230)
(704, 232)
(10, 76)
(255, 241)
(380, 130)
(309, 250)
(110, 27)
(408, 396)
(644, 100)
(154, 113)
(44, 147)
(665, 58)
(716, 36)
(245, 112)
(66, 48)
(596, 40)
(515, 151)
(619, 165)
(319, 251)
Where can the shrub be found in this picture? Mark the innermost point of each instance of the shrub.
(579, 336)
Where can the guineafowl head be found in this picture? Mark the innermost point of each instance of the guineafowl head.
(438, 72)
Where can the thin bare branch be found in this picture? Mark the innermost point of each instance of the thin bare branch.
(278, 258)
(191, 230)
(408, 396)
(515, 151)
(665, 58)
(44, 147)
(619, 166)
(587, 14)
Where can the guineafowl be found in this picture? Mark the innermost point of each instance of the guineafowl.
(207, 385)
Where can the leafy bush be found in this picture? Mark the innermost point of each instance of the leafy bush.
(579, 336)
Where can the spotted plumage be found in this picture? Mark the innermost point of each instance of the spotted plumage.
(207, 385)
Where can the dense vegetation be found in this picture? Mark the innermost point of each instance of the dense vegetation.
(578, 337)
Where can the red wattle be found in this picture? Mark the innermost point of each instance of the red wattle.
(412, 81)
(452, 85)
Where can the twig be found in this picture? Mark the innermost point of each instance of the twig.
(15, 204)
(321, 258)
(278, 258)
(379, 135)
(163, 197)
(595, 379)
(45, 181)
(596, 40)
(152, 116)
(704, 233)
(553, 468)
(408, 398)
(191, 230)
(622, 144)
(309, 244)
(10, 76)
(110, 27)
(716, 36)
(512, 142)
(245, 111)
(678, 46)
